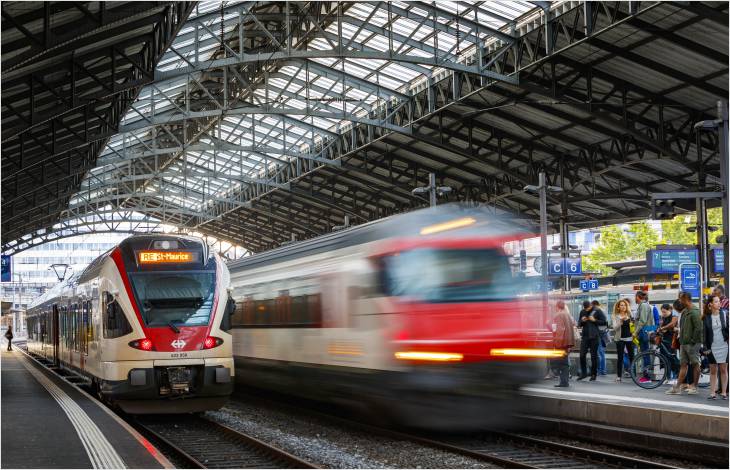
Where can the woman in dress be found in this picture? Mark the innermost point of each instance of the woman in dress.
(715, 340)
(621, 322)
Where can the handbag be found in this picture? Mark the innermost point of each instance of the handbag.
(632, 328)
(657, 338)
(675, 341)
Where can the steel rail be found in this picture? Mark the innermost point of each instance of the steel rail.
(507, 450)
(207, 444)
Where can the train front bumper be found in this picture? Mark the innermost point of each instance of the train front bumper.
(139, 381)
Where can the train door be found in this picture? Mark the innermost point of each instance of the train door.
(54, 331)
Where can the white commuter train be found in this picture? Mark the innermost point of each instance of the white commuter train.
(146, 322)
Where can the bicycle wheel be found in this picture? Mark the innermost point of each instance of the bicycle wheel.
(649, 369)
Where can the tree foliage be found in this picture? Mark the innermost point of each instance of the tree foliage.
(674, 231)
(630, 242)
(619, 244)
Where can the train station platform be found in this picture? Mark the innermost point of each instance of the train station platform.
(629, 406)
(48, 423)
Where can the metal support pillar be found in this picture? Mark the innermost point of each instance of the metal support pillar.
(542, 190)
(565, 248)
(702, 240)
(432, 189)
(722, 115)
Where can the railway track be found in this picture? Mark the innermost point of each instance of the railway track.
(505, 450)
(201, 443)
(518, 451)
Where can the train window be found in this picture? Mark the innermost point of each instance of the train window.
(114, 321)
(228, 314)
(298, 306)
(184, 298)
(448, 275)
(90, 322)
(84, 326)
(74, 328)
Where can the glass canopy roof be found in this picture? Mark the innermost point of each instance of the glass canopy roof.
(247, 86)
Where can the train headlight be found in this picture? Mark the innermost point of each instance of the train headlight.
(516, 352)
(143, 344)
(428, 356)
(212, 342)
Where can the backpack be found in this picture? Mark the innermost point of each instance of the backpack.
(657, 317)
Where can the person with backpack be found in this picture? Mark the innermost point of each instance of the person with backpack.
(643, 325)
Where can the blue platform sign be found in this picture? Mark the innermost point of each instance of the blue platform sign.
(719, 261)
(591, 284)
(561, 266)
(667, 261)
(573, 266)
(556, 266)
(690, 279)
(7, 274)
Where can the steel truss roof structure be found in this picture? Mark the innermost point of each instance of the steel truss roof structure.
(265, 122)
(70, 71)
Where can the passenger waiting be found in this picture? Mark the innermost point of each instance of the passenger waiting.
(644, 323)
(603, 340)
(668, 321)
(690, 340)
(621, 327)
(9, 337)
(590, 321)
(715, 340)
(719, 291)
(563, 339)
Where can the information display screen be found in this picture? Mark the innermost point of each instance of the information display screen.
(668, 261)
(718, 261)
(159, 257)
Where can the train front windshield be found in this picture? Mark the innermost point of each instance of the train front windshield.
(449, 275)
(180, 298)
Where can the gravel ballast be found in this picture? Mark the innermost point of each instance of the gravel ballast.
(332, 445)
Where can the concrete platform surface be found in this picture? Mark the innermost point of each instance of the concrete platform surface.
(606, 390)
(48, 423)
(627, 405)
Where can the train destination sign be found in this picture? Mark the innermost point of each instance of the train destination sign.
(667, 261)
(158, 257)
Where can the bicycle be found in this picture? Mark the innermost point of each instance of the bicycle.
(655, 369)
(651, 365)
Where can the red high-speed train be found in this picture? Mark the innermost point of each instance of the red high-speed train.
(416, 319)
(146, 322)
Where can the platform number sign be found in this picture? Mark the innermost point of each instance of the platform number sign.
(569, 266)
(7, 274)
(573, 266)
(556, 266)
(588, 285)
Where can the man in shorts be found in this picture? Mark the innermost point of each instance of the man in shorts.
(690, 340)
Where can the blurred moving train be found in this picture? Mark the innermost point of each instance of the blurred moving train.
(146, 323)
(414, 319)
